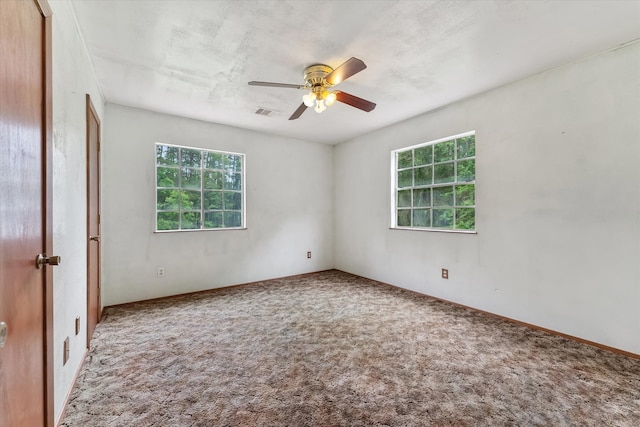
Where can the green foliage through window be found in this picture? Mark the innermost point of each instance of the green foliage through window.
(198, 189)
(434, 184)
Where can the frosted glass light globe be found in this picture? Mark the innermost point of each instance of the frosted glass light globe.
(309, 99)
(330, 99)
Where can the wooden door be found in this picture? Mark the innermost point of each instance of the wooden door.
(93, 220)
(26, 367)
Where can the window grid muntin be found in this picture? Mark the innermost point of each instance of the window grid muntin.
(455, 183)
(202, 212)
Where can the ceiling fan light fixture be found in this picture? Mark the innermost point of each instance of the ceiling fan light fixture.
(309, 99)
(329, 98)
(320, 107)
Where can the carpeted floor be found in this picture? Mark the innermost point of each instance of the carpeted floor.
(333, 349)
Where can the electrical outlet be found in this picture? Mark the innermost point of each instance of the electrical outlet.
(65, 349)
(160, 271)
(309, 254)
(445, 273)
(77, 325)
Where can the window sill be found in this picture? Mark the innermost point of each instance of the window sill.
(199, 229)
(437, 230)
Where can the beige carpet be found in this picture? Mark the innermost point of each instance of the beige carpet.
(333, 349)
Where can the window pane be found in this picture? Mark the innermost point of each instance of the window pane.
(197, 188)
(213, 161)
(422, 197)
(423, 155)
(404, 199)
(404, 217)
(213, 220)
(465, 195)
(166, 155)
(422, 176)
(443, 218)
(167, 177)
(232, 164)
(443, 173)
(232, 181)
(466, 146)
(189, 220)
(467, 170)
(212, 180)
(168, 200)
(405, 159)
(190, 178)
(189, 200)
(405, 178)
(212, 200)
(443, 151)
(465, 219)
(441, 178)
(422, 217)
(443, 196)
(168, 221)
(190, 158)
(232, 219)
(232, 201)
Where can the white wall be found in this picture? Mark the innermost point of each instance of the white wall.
(558, 206)
(73, 78)
(289, 185)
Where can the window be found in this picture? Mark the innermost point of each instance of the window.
(434, 185)
(198, 189)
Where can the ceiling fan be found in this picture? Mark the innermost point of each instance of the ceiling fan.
(319, 79)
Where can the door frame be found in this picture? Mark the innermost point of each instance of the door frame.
(91, 112)
(47, 177)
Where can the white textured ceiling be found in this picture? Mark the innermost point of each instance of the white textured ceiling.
(194, 58)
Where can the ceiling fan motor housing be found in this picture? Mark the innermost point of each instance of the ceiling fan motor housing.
(314, 75)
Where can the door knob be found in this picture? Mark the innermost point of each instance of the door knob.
(94, 238)
(43, 259)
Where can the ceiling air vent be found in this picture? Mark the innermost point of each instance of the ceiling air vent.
(263, 112)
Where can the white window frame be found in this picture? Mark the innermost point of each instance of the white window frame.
(394, 186)
(243, 210)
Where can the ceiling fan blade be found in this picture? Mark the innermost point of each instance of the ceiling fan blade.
(350, 67)
(270, 84)
(354, 101)
(298, 112)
